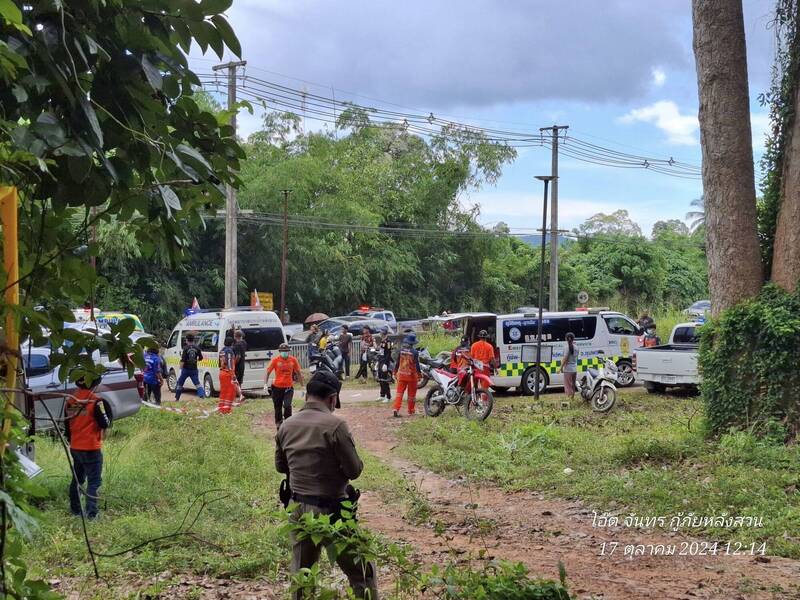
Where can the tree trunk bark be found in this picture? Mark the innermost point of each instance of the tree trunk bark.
(786, 248)
(734, 259)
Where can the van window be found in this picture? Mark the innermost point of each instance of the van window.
(205, 340)
(263, 338)
(620, 326)
(36, 364)
(523, 331)
(173, 339)
(686, 335)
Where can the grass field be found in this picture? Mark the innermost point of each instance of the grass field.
(156, 466)
(648, 456)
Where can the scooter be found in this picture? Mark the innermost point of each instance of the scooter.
(469, 389)
(329, 359)
(597, 386)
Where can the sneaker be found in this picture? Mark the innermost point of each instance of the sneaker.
(385, 401)
(396, 413)
(93, 517)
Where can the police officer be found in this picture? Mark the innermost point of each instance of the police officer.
(315, 449)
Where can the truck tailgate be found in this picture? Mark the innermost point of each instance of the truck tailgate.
(667, 365)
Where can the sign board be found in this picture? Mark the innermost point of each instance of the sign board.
(583, 297)
(265, 298)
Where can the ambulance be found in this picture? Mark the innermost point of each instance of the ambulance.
(599, 332)
(263, 333)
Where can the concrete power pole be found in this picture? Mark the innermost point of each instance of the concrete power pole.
(284, 254)
(231, 208)
(554, 217)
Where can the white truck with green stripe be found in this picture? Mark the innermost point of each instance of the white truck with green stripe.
(596, 331)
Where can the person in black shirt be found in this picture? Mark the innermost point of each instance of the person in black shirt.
(239, 352)
(189, 358)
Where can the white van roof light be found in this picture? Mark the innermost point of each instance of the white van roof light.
(598, 309)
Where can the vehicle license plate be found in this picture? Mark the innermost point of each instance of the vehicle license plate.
(668, 378)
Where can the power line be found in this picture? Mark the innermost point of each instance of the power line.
(329, 110)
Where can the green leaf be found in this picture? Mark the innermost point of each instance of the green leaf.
(10, 12)
(152, 74)
(227, 34)
(79, 167)
(91, 116)
(195, 155)
(24, 523)
(171, 200)
(19, 92)
(213, 7)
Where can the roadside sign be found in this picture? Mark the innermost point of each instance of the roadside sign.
(583, 297)
(265, 298)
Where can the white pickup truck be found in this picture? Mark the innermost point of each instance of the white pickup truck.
(670, 365)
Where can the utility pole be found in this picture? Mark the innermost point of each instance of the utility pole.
(538, 381)
(554, 217)
(231, 208)
(285, 251)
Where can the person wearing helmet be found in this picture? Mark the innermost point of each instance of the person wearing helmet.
(407, 373)
(385, 365)
(483, 351)
(287, 371)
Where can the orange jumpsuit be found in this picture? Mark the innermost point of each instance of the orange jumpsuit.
(407, 375)
(227, 380)
(484, 352)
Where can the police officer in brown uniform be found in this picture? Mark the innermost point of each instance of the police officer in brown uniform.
(315, 449)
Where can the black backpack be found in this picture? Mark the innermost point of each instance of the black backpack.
(190, 355)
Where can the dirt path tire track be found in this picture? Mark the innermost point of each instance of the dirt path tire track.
(540, 532)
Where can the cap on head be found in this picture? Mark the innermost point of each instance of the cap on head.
(483, 334)
(410, 339)
(284, 347)
(324, 383)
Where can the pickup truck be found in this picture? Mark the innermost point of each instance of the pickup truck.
(123, 393)
(670, 365)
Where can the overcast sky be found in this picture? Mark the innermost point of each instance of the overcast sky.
(620, 73)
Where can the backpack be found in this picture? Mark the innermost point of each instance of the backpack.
(190, 356)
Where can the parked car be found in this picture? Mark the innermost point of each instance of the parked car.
(381, 314)
(673, 364)
(699, 309)
(122, 392)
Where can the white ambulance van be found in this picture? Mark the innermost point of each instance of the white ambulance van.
(263, 333)
(596, 330)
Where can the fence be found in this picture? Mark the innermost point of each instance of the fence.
(300, 352)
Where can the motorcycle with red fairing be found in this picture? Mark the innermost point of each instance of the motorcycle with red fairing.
(469, 390)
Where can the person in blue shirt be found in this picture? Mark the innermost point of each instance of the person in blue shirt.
(153, 378)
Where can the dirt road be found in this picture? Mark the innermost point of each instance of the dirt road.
(540, 532)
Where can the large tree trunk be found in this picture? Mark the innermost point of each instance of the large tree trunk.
(734, 260)
(786, 248)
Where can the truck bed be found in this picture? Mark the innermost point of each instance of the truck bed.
(667, 365)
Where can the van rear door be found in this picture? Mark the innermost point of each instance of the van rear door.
(262, 346)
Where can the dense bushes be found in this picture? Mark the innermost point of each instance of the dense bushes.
(749, 363)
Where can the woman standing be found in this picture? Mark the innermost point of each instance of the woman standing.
(569, 366)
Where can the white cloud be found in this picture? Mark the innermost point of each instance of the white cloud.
(666, 115)
(659, 77)
(759, 124)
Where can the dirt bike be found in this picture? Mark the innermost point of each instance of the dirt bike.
(467, 390)
(596, 386)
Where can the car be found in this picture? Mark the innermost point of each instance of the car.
(381, 314)
(355, 324)
(673, 364)
(699, 308)
(47, 385)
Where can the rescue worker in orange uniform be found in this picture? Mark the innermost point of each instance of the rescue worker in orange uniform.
(86, 424)
(483, 351)
(460, 356)
(287, 370)
(227, 377)
(407, 373)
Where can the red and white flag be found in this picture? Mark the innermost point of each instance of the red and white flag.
(255, 301)
(195, 304)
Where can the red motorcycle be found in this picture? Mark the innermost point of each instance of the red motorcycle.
(468, 389)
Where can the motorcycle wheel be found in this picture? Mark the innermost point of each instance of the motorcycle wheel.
(603, 399)
(434, 402)
(422, 382)
(481, 407)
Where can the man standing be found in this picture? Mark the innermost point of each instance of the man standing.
(239, 353)
(483, 351)
(407, 374)
(366, 345)
(86, 423)
(345, 345)
(189, 358)
(316, 451)
(227, 377)
(153, 367)
(385, 366)
(286, 369)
